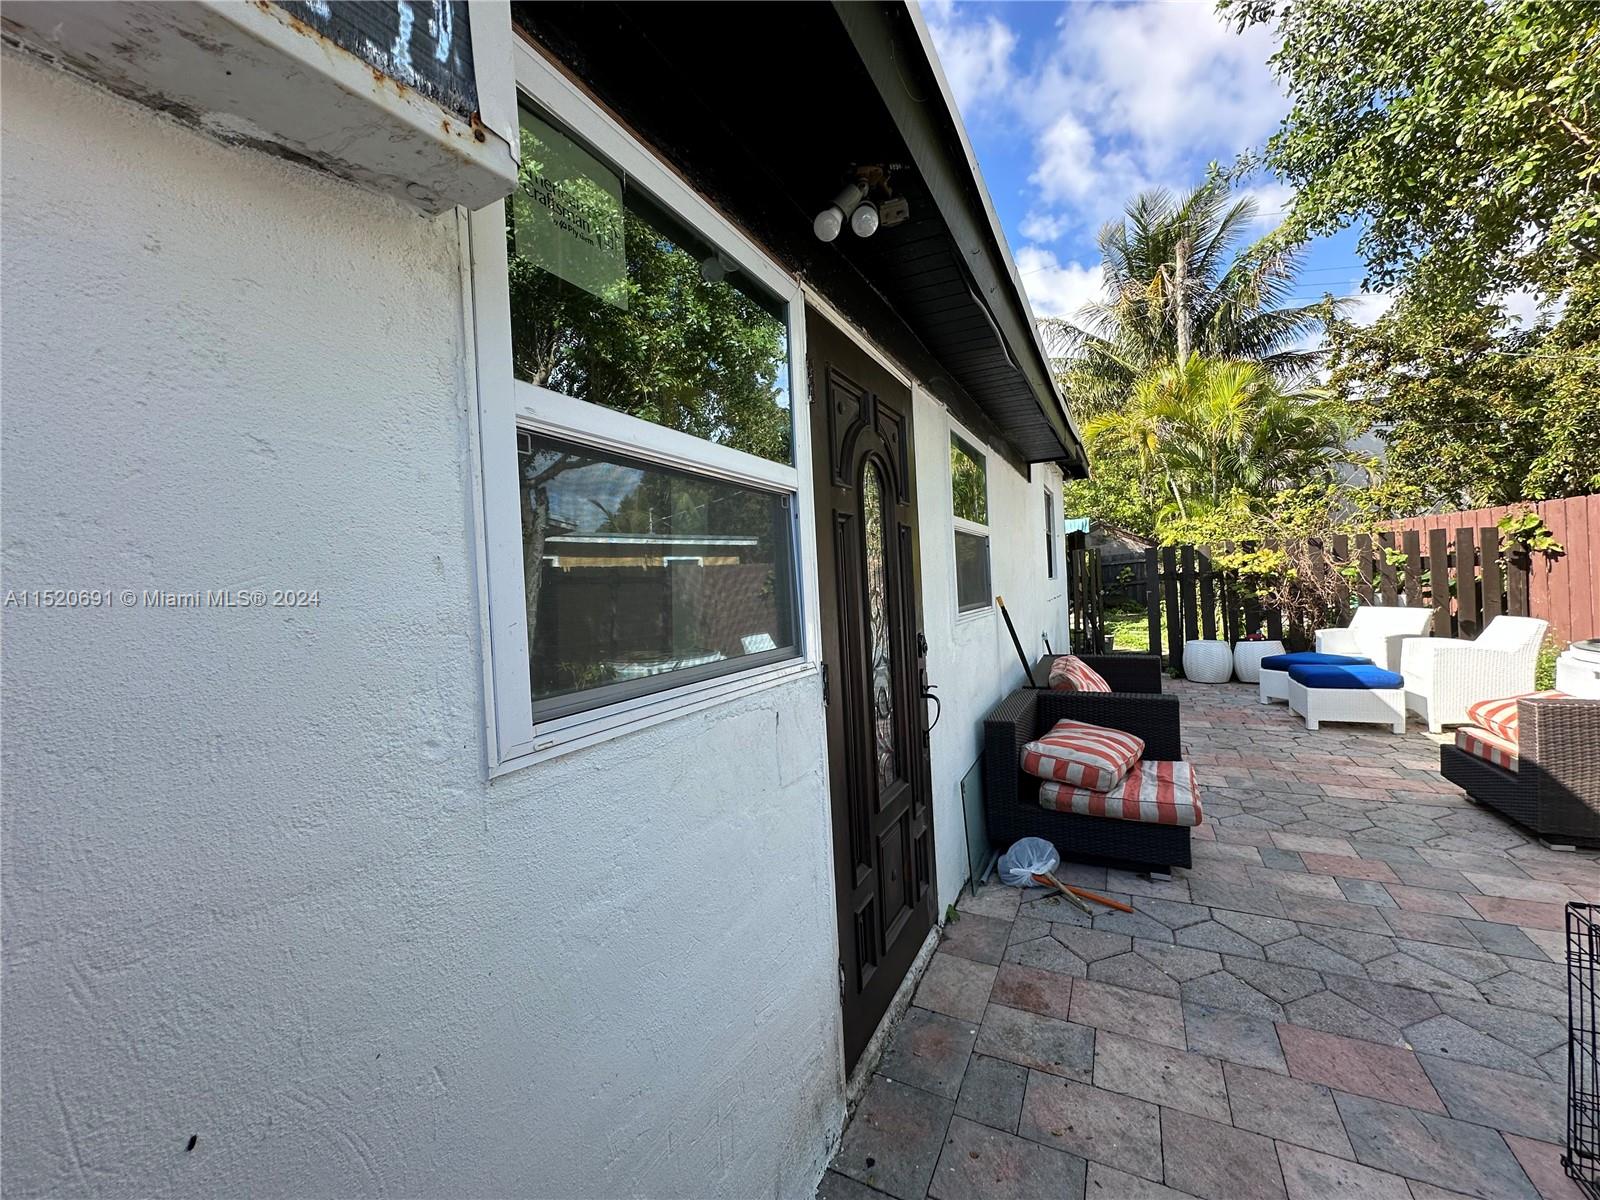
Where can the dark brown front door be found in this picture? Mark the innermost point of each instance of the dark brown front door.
(873, 650)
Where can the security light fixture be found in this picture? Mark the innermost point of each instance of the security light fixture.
(830, 221)
(864, 221)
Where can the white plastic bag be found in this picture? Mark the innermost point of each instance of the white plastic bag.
(1029, 857)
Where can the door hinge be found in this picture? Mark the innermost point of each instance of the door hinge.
(825, 689)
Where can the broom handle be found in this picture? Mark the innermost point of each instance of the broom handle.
(1016, 641)
(1098, 898)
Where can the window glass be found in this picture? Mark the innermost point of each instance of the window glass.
(640, 578)
(616, 303)
(969, 486)
(972, 571)
(1049, 534)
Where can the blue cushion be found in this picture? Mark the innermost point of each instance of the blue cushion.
(1345, 675)
(1282, 662)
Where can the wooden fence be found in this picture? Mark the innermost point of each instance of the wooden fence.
(1563, 589)
(1464, 575)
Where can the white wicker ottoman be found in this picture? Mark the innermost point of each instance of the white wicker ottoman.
(1274, 682)
(1360, 693)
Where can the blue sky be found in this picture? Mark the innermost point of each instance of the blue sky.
(1074, 107)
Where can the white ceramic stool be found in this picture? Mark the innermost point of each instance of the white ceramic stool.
(1247, 658)
(1207, 661)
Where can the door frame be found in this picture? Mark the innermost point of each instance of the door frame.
(919, 777)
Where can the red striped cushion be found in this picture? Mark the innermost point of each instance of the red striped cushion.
(1488, 746)
(1157, 793)
(1083, 755)
(1069, 673)
(1499, 717)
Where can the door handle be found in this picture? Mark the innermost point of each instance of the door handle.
(928, 690)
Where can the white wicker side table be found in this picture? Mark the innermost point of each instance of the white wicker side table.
(1247, 658)
(1207, 661)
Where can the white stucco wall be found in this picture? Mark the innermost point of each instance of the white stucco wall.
(256, 888)
(971, 657)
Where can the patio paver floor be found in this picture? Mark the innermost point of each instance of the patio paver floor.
(1357, 990)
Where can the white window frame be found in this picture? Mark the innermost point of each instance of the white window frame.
(962, 525)
(1052, 533)
(506, 404)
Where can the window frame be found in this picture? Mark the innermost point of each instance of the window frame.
(973, 528)
(506, 404)
(1052, 531)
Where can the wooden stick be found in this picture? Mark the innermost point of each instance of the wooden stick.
(1097, 898)
(1052, 881)
(1027, 670)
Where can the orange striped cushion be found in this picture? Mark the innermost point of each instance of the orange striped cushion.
(1499, 717)
(1069, 673)
(1488, 746)
(1083, 755)
(1157, 793)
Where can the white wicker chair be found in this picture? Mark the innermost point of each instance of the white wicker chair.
(1444, 675)
(1377, 632)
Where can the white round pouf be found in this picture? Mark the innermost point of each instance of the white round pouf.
(1247, 658)
(1207, 661)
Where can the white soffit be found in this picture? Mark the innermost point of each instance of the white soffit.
(249, 74)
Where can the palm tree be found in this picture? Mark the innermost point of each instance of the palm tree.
(1178, 283)
(1222, 431)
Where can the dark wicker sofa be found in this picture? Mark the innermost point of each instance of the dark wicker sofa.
(1011, 797)
(1555, 790)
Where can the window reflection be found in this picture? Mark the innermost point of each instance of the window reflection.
(636, 573)
(616, 303)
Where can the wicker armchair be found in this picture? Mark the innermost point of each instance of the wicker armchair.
(1011, 796)
(1555, 788)
(1377, 632)
(1444, 675)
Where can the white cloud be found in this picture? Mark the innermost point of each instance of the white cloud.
(1043, 227)
(1057, 289)
(976, 56)
(1366, 307)
(1272, 202)
(1125, 97)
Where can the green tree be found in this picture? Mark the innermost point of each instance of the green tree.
(1180, 281)
(1214, 433)
(1462, 136)
(1473, 409)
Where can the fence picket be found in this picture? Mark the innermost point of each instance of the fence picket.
(1468, 611)
(1169, 591)
(1386, 572)
(1493, 587)
(1439, 580)
(1186, 584)
(1412, 542)
(1152, 599)
(1208, 597)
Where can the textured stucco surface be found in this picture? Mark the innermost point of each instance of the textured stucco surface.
(256, 888)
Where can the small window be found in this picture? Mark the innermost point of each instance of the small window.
(616, 302)
(969, 500)
(969, 482)
(1050, 518)
(641, 578)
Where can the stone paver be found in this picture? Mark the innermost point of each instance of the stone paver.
(1312, 1176)
(1031, 988)
(991, 1092)
(979, 1163)
(894, 1139)
(1104, 1127)
(1358, 988)
(1161, 1075)
(1363, 1068)
(957, 987)
(1289, 1110)
(1218, 1162)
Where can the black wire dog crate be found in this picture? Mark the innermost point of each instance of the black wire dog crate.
(1582, 1159)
